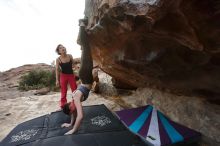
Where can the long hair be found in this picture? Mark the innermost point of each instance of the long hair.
(66, 109)
(57, 49)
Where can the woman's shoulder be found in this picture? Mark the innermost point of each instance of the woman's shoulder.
(70, 55)
(58, 58)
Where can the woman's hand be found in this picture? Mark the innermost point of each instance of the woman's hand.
(57, 83)
(65, 125)
(70, 132)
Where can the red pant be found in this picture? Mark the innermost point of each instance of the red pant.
(64, 80)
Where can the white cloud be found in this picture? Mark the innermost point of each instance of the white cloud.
(30, 30)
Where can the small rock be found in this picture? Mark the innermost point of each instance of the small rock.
(8, 114)
(42, 91)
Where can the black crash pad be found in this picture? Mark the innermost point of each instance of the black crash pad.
(99, 128)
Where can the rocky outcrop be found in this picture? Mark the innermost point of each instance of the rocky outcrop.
(12, 76)
(171, 45)
(193, 112)
(9, 80)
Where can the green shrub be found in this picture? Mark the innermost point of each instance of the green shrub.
(37, 79)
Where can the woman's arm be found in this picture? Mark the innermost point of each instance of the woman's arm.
(79, 116)
(73, 118)
(57, 72)
(71, 58)
(71, 123)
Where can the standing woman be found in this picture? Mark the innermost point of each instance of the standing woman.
(64, 73)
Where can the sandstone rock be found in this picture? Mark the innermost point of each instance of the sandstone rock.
(106, 87)
(42, 91)
(95, 86)
(12, 76)
(165, 44)
(121, 85)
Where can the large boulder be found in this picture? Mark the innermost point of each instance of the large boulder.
(171, 45)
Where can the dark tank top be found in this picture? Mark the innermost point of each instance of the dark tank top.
(66, 67)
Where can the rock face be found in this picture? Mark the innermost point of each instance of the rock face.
(171, 45)
(191, 111)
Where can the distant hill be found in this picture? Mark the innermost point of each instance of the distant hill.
(9, 79)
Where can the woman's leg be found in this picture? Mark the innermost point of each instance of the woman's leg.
(63, 87)
(72, 82)
(85, 71)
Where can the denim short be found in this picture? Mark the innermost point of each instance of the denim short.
(85, 91)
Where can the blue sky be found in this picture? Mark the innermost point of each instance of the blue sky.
(30, 30)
